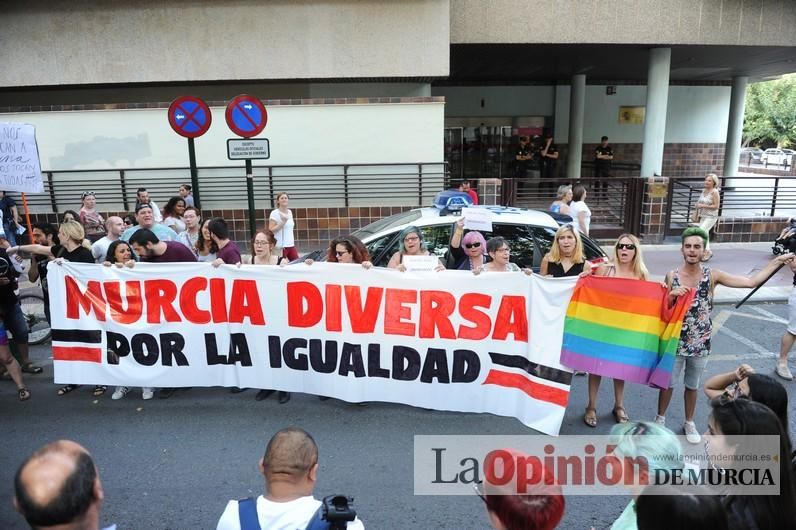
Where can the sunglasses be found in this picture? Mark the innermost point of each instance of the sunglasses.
(340, 253)
(88, 193)
(477, 244)
(626, 246)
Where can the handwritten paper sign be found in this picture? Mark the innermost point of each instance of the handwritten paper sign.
(420, 263)
(477, 219)
(20, 169)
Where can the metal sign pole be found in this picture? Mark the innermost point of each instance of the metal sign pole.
(250, 196)
(194, 174)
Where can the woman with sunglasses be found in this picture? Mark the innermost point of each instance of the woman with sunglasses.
(92, 221)
(566, 256)
(746, 420)
(627, 263)
(474, 255)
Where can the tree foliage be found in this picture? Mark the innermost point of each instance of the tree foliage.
(770, 118)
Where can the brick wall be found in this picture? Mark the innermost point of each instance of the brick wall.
(749, 229)
(771, 170)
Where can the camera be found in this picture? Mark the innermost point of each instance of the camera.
(337, 511)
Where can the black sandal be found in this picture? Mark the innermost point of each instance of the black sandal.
(23, 394)
(30, 368)
(99, 390)
(64, 390)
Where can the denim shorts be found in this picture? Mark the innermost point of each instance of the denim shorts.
(694, 366)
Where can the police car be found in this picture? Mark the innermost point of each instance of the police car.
(529, 233)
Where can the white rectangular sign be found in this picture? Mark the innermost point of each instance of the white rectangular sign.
(248, 148)
(443, 340)
(477, 219)
(20, 169)
(420, 263)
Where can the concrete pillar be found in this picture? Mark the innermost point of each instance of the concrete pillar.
(655, 117)
(732, 150)
(577, 105)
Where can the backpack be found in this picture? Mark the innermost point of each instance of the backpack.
(247, 515)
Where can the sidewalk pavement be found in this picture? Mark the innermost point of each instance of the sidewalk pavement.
(743, 259)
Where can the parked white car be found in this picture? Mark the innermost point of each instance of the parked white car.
(775, 157)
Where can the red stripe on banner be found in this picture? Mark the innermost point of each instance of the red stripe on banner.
(535, 390)
(77, 353)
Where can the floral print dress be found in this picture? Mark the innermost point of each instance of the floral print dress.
(697, 325)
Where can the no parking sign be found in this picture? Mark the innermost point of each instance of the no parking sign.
(246, 116)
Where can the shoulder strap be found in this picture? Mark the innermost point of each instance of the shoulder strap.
(247, 513)
(317, 522)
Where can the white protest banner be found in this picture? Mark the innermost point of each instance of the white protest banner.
(477, 219)
(444, 340)
(19, 158)
(420, 263)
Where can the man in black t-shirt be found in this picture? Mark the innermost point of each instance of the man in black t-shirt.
(549, 157)
(11, 312)
(603, 155)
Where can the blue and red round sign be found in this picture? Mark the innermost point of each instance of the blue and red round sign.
(189, 116)
(246, 116)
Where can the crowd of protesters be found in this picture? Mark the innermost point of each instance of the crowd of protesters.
(742, 402)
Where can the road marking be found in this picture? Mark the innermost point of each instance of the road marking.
(718, 327)
(775, 318)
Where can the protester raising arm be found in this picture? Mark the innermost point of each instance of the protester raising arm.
(717, 385)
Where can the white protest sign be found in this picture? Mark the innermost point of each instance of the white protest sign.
(447, 341)
(477, 219)
(420, 263)
(19, 158)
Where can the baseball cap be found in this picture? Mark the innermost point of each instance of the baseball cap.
(140, 206)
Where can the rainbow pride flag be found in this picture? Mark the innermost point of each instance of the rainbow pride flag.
(623, 329)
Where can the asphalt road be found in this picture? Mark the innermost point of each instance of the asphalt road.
(173, 464)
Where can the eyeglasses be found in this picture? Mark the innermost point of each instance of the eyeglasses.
(626, 246)
(260, 242)
(340, 253)
(477, 244)
(411, 239)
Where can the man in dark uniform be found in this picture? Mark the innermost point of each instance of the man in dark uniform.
(549, 158)
(603, 155)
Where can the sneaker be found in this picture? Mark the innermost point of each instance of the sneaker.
(147, 393)
(784, 372)
(660, 420)
(691, 433)
(120, 392)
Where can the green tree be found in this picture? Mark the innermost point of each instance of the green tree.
(770, 117)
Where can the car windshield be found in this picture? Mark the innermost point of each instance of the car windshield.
(388, 222)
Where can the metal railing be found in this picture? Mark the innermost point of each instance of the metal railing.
(224, 187)
(615, 203)
(759, 196)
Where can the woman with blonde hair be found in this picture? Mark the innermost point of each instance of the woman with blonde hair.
(706, 213)
(566, 257)
(563, 198)
(627, 263)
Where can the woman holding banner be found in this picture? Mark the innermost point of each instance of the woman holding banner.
(205, 249)
(119, 253)
(627, 263)
(263, 245)
(474, 255)
(410, 243)
(566, 257)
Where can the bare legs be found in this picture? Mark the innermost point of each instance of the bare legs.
(619, 395)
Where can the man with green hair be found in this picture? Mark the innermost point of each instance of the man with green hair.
(694, 347)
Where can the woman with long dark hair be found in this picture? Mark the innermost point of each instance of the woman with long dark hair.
(205, 248)
(172, 214)
(119, 253)
(745, 421)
